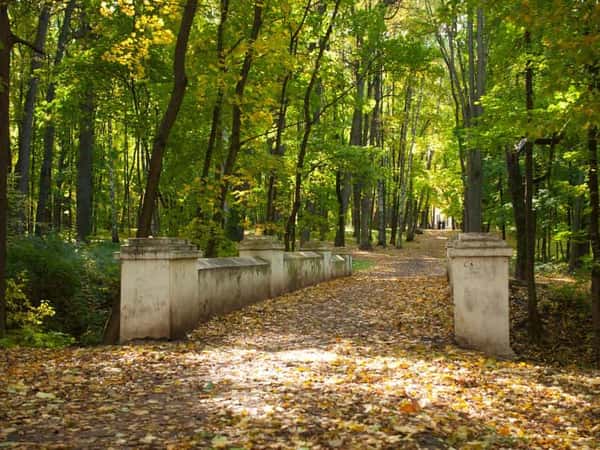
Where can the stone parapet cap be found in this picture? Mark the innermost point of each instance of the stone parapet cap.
(317, 246)
(158, 248)
(480, 252)
(478, 244)
(301, 255)
(230, 263)
(260, 243)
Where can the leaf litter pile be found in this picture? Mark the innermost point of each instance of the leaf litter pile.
(363, 362)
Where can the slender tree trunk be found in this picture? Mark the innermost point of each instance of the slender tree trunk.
(215, 128)
(5, 49)
(114, 224)
(43, 214)
(578, 242)
(517, 193)
(381, 210)
(236, 129)
(59, 201)
(477, 66)
(26, 129)
(342, 190)
(168, 120)
(592, 139)
(84, 167)
(290, 230)
(365, 220)
(534, 323)
(279, 148)
(400, 186)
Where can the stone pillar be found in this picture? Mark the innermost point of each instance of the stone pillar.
(271, 250)
(158, 288)
(323, 249)
(478, 269)
(347, 255)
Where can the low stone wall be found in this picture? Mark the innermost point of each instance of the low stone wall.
(303, 269)
(227, 284)
(167, 289)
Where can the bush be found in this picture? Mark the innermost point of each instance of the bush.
(79, 283)
(199, 232)
(28, 321)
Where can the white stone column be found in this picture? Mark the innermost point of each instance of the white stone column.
(271, 250)
(478, 266)
(158, 288)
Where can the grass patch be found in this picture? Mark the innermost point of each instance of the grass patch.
(361, 264)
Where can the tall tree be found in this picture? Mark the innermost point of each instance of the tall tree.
(168, 120)
(290, 229)
(5, 49)
(236, 127)
(22, 169)
(85, 160)
(43, 212)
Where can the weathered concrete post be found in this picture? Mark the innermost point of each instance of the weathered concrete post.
(323, 249)
(478, 270)
(346, 255)
(271, 250)
(158, 288)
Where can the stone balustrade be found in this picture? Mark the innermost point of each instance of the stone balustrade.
(167, 289)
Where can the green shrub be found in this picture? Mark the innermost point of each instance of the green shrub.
(198, 233)
(28, 322)
(30, 337)
(79, 283)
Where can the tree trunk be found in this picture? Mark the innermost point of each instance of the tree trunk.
(517, 193)
(290, 230)
(236, 130)
(114, 226)
(365, 220)
(168, 120)
(534, 323)
(594, 235)
(215, 128)
(279, 148)
(474, 193)
(342, 190)
(26, 129)
(59, 201)
(578, 242)
(5, 49)
(381, 231)
(84, 167)
(43, 216)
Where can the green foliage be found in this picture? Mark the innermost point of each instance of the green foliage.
(27, 321)
(20, 312)
(77, 283)
(198, 232)
(32, 337)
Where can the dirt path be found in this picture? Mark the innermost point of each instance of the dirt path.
(356, 363)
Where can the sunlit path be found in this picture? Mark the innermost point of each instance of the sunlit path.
(365, 362)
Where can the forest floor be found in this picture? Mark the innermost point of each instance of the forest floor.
(356, 363)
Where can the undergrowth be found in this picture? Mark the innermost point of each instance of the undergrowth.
(59, 292)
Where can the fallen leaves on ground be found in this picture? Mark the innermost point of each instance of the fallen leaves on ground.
(363, 362)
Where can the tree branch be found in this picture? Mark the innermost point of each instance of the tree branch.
(14, 39)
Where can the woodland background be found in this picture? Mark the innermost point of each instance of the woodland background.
(339, 120)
